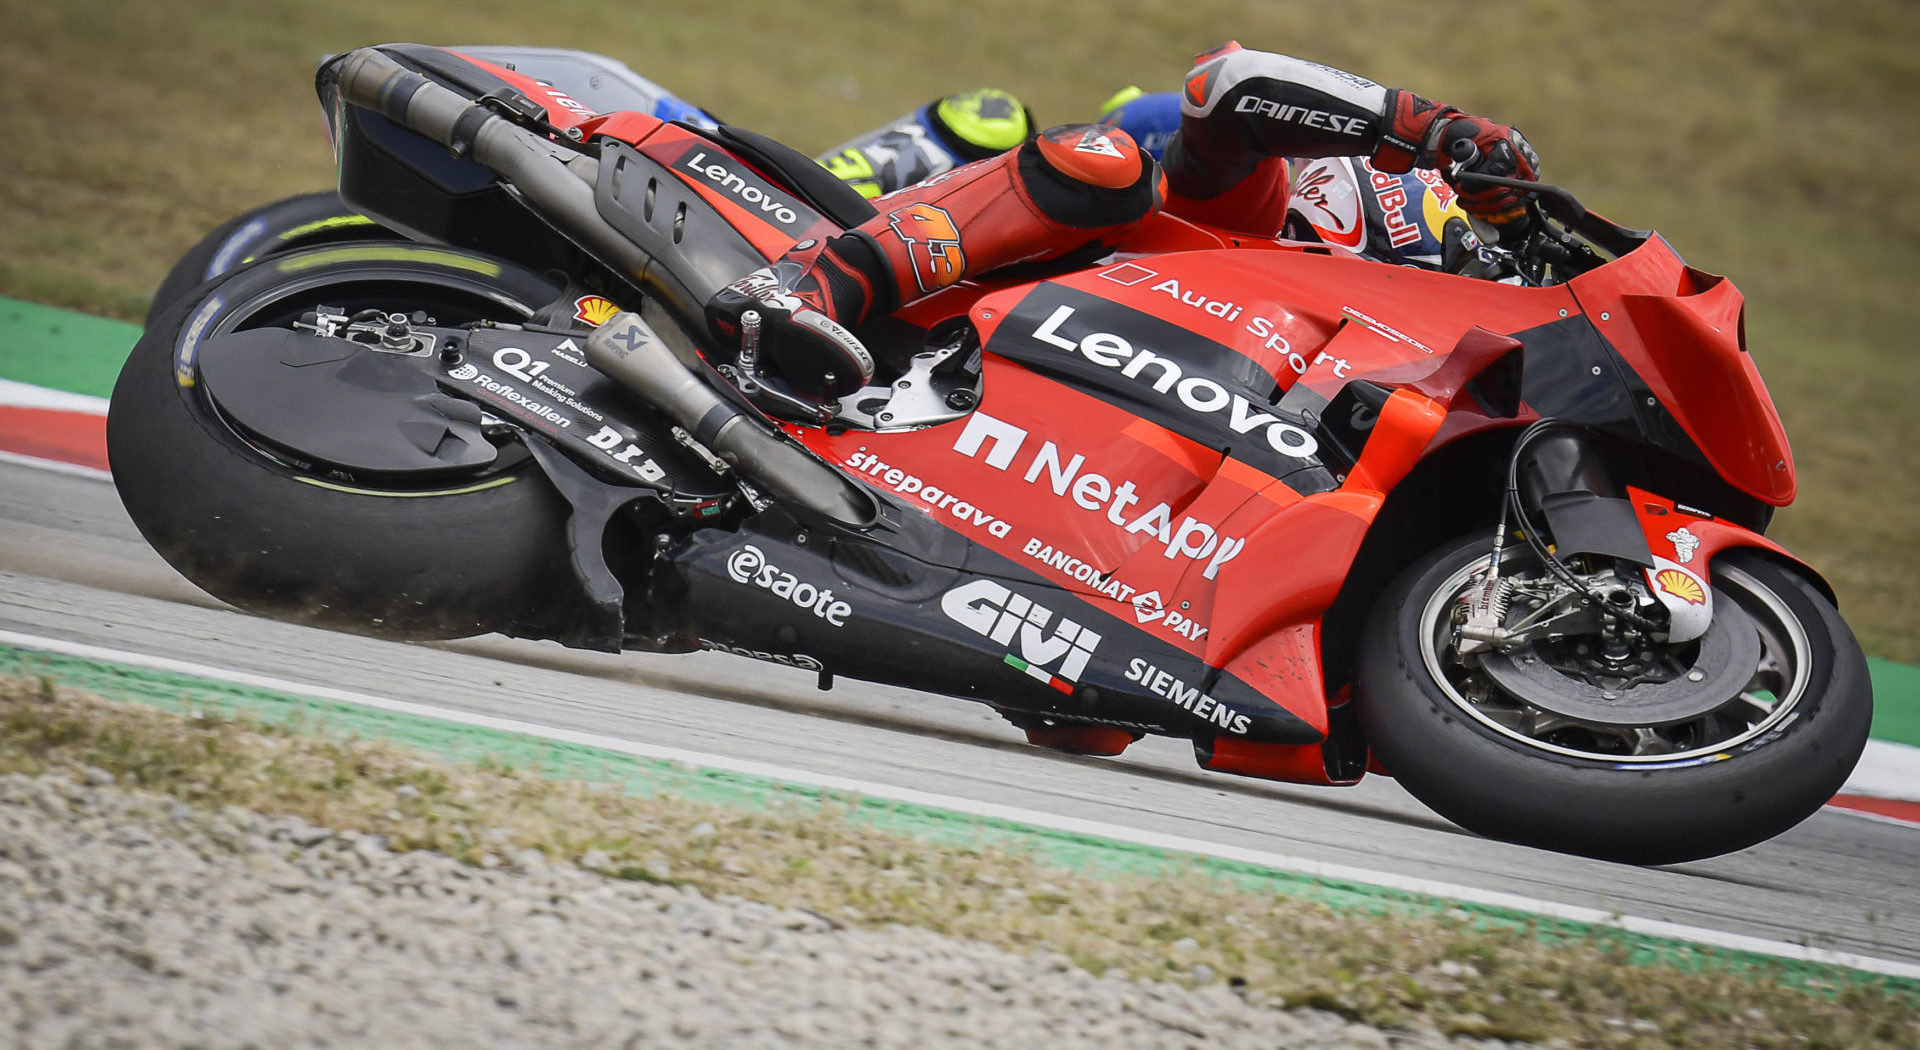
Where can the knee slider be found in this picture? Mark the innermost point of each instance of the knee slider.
(1089, 176)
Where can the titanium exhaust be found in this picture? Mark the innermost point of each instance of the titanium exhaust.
(629, 351)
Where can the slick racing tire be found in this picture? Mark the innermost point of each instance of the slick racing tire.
(281, 226)
(1768, 737)
(449, 557)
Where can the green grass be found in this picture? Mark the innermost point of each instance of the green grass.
(1186, 922)
(1771, 140)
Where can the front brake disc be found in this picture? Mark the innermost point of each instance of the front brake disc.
(1727, 656)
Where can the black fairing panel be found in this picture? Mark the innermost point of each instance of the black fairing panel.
(413, 185)
(1571, 372)
(1034, 330)
(451, 68)
(799, 173)
(986, 630)
(540, 378)
(664, 216)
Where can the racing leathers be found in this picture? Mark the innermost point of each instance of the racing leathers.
(1072, 193)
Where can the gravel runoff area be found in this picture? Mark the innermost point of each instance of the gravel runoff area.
(130, 920)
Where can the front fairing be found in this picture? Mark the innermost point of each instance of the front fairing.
(1682, 332)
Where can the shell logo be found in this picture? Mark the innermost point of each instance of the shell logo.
(1681, 586)
(594, 310)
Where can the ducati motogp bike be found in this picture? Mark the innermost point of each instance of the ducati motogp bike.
(1501, 539)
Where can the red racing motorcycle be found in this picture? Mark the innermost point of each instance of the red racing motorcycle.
(1501, 538)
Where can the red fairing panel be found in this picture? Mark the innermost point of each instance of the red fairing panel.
(563, 110)
(1683, 331)
(1281, 309)
(1113, 507)
(1692, 537)
(770, 217)
(1208, 554)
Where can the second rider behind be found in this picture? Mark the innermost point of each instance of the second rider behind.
(1071, 194)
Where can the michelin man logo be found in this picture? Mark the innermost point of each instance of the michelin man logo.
(1684, 544)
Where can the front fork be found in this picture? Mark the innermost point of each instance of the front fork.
(1561, 477)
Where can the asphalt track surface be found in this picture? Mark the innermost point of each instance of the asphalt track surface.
(73, 568)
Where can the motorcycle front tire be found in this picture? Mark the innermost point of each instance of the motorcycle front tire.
(1552, 793)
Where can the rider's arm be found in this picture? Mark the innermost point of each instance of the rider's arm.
(1243, 111)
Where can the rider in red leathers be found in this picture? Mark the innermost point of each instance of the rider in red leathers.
(1072, 193)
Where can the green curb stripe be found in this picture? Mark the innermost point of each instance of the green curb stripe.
(69, 351)
(1896, 701)
(61, 349)
(182, 693)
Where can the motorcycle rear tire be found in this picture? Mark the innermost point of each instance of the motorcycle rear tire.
(279, 226)
(449, 558)
(1707, 802)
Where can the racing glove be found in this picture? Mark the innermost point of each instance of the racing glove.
(1423, 134)
(1496, 149)
(794, 332)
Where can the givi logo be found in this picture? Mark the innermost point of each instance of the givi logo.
(992, 611)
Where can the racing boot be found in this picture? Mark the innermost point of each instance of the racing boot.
(935, 138)
(1244, 112)
(1067, 195)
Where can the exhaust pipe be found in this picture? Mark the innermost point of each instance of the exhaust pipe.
(629, 351)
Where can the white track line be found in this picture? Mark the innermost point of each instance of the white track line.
(1887, 770)
(1035, 818)
(56, 466)
(27, 395)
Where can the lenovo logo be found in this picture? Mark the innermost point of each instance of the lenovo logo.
(758, 197)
